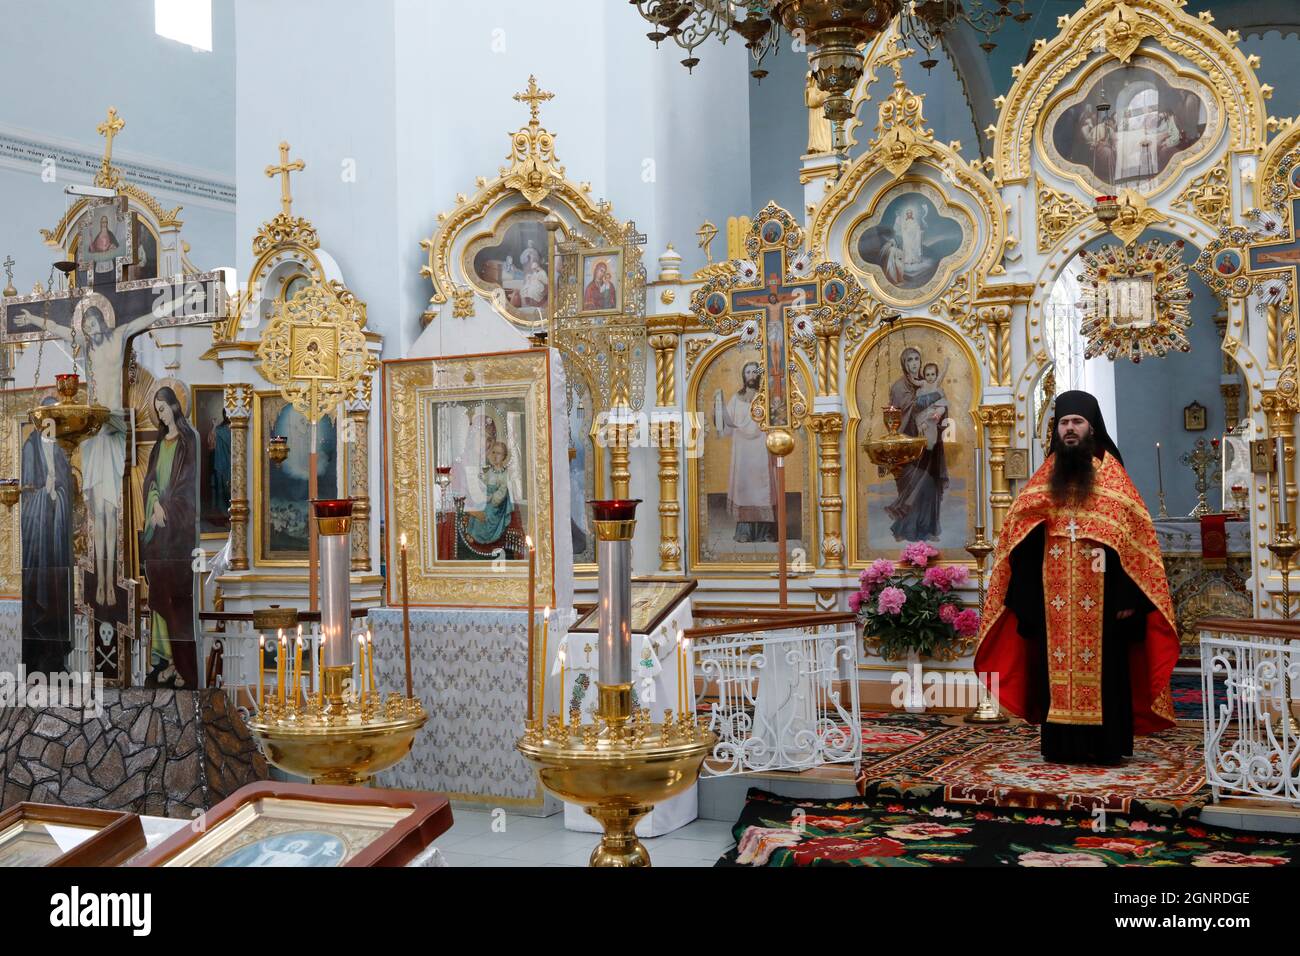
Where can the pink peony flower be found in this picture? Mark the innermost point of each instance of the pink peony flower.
(879, 570)
(957, 575)
(918, 554)
(937, 576)
(947, 613)
(891, 601)
(967, 622)
(855, 601)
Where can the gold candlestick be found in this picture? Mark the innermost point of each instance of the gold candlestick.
(1284, 547)
(989, 711)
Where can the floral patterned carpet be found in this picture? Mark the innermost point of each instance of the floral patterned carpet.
(784, 831)
(1001, 766)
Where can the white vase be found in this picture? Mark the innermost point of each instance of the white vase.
(914, 699)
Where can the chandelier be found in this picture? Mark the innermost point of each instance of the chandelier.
(834, 32)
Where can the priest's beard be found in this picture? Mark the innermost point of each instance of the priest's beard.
(1072, 472)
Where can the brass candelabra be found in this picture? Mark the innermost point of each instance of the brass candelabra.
(988, 711)
(1284, 546)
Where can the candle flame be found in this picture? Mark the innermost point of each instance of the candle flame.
(681, 637)
(546, 613)
(403, 540)
(261, 641)
(528, 540)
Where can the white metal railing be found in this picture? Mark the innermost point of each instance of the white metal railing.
(1252, 743)
(776, 696)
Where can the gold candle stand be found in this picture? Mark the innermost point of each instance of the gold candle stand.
(338, 737)
(618, 767)
(1284, 547)
(988, 711)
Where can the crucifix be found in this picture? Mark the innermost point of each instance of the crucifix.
(768, 298)
(97, 319)
(283, 171)
(108, 129)
(534, 96)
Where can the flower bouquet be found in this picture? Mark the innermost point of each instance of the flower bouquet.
(909, 606)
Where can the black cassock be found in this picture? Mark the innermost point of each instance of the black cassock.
(1110, 742)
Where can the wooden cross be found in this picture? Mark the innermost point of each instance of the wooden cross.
(534, 96)
(108, 129)
(283, 170)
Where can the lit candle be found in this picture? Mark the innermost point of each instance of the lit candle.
(1160, 474)
(261, 656)
(406, 621)
(688, 691)
(320, 699)
(297, 677)
(532, 610)
(280, 651)
(370, 660)
(681, 673)
(361, 669)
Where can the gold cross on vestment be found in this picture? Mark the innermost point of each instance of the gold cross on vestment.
(534, 96)
(283, 171)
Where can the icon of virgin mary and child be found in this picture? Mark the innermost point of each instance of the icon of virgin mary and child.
(921, 485)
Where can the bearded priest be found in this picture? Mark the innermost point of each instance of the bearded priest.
(1078, 628)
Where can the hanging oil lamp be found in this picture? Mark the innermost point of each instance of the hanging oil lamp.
(277, 449)
(892, 451)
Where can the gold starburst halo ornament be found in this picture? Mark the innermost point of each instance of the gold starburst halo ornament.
(314, 351)
(1136, 300)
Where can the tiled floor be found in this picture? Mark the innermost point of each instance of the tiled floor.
(530, 841)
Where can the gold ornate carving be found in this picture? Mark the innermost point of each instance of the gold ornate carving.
(665, 437)
(239, 406)
(828, 426)
(462, 303)
(1208, 197)
(411, 386)
(1156, 274)
(532, 177)
(533, 167)
(694, 349)
(665, 347)
(998, 420)
(1213, 53)
(1058, 214)
(1134, 218)
(313, 351)
(901, 134)
(1125, 29)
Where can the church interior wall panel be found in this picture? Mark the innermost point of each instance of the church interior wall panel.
(730, 488)
(933, 499)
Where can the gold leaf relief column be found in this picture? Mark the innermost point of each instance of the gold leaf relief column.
(666, 435)
(358, 409)
(1280, 406)
(239, 403)
(828, 426)
(998, 421)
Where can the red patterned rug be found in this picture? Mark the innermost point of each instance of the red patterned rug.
(1001, 766)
